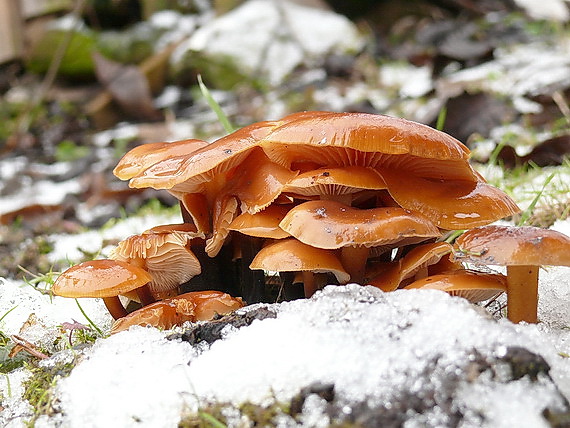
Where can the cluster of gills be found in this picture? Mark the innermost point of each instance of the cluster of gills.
(318, 198)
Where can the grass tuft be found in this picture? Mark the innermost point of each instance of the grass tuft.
(223, 119)
(38, 389)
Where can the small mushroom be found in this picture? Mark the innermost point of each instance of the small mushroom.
(332, 225)
(264, 224)
(162, 252)
(413, 265)
(522, 250)
(211, 303)
(291, 255)
(106, 279)
(192, 306)
(338, 183)
(469, 284)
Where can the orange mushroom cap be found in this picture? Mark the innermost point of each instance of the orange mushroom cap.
(451, 204)
(523, 250)
(100, 278)
(335, 181)
(196, 205)
(366, 133)
(192, 306)
(144, 156)
(418, 258)
(360, 139)
(264, 224)
(510, 246)
(210, 303)
(290, 255)
(162, 252)
(331, 225)
(224, 211)
(258, 182)
(188, 173)
(163, 314)
(471, 285)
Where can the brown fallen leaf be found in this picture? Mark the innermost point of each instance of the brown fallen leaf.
(22, 344)
(128, 86)
(550, 152)
(34, 212)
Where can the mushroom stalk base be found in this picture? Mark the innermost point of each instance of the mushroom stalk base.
(353, 259)
(115, 307)
(522, 293)
(309, 284)
(145, 295)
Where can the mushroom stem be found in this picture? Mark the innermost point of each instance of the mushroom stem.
(353, 260)
(115, 307)
(522, 293)
(309, 284)
(145, 295)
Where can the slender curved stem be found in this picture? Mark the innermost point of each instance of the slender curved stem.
(115, 307)
(145, 295)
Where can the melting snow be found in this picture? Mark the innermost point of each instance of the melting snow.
(273, 36)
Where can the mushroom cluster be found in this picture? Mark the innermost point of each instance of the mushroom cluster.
(314, 198)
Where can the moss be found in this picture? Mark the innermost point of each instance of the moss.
(215, 415)
(39, 388)
(76, 64)
(249, 414)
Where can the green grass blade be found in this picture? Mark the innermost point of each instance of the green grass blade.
(441, 118)
(528, 212)
(215, 106)
(453, 236)
(91, 323)
(211, 420)
(7, 312)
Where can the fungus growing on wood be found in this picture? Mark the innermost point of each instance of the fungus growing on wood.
(373, 183)
(522, 250)
(162, 252)
(332, 225)
(291, 255)
(168, 313)
(106, 279)
(469, 284)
